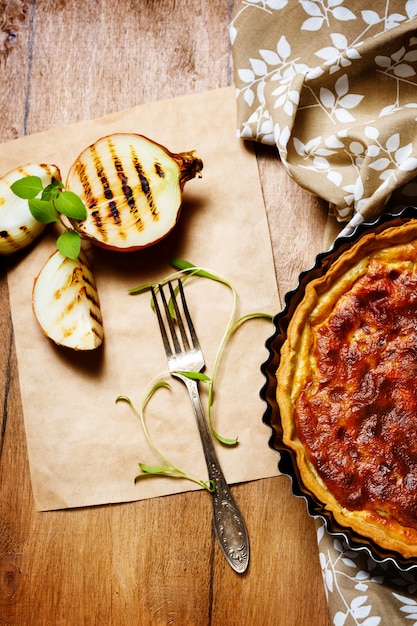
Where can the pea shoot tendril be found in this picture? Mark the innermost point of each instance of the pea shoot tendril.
(186, 270)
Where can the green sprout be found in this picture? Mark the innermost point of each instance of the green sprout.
(167, 468)
(184, 271)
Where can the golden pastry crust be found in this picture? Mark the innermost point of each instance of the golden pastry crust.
(346, 388)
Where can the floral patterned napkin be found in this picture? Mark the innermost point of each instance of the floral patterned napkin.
(361, 592)
(333, 84)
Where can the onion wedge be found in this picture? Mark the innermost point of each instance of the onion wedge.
(66, 304)
(132, 188)
(18, 227)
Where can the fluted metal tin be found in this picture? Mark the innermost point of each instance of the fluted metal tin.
(287, 461)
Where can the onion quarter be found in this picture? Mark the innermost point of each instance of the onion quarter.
(18, 227)
(66, 303)
(132, 188)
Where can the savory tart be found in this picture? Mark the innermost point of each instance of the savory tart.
(347, 388)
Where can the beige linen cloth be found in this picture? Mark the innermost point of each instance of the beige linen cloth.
(332, 83)
(84, 448)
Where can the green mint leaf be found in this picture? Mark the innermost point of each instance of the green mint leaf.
(56, 182)
(52, 190)
(49, 193)
(42, 210)
(71, 205)
(27, 187)
(69, 244)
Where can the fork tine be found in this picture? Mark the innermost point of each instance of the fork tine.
(178, 315)
(164, 335)
(174, 337)
(193, 334)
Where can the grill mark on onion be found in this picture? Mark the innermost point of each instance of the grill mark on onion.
(88, 291)
(4, 234)
(49, 171)
(159, 170)
(12, 241)
(126, 189)
(26, 233)
(90, 200)
(113, 211)
(145, 185)
(94, 313)
(97, 318)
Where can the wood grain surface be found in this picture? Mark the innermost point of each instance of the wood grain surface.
(155, 561)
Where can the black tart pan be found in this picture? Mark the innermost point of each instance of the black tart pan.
(286, 459)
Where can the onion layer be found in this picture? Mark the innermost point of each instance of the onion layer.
(66, 303)
(132, 188)
(18, 227)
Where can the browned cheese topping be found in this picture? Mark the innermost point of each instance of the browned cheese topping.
(357, 415)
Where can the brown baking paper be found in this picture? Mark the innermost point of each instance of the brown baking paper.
(84, 448)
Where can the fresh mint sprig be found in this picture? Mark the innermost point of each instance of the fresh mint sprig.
(48, 203)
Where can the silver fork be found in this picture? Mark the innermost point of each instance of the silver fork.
(184, 355)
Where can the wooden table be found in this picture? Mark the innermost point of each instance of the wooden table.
(154, 561)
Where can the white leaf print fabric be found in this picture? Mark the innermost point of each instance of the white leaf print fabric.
(361, 592)
(333, 83)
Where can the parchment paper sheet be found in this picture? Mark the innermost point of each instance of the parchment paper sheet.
(84, 448)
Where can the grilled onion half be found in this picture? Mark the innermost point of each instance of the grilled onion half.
(132, 188)
(18, 227)
(66, 303)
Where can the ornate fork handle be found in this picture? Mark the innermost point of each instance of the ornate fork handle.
(229, 523)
